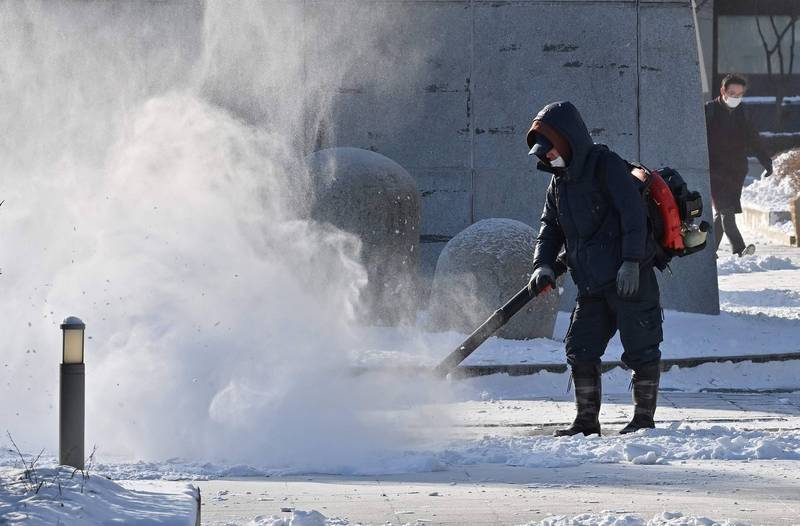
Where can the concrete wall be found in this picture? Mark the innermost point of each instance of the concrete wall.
(485, 67)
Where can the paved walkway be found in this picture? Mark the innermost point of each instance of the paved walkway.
(744, 411)
(756, 492)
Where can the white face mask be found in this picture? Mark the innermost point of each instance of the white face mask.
(558, 162)
(732, 102)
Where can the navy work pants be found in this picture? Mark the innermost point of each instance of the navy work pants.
(598, 316)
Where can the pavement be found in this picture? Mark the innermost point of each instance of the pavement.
(753, 492)
(763, 492)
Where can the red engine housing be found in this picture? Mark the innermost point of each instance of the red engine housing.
(668, 208)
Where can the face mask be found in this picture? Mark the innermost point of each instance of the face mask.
(558, 162)
(732, 102)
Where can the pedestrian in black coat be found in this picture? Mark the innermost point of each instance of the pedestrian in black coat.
(731, 138)
(594, 209)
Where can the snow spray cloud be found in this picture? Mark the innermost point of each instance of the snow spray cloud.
(151, 162)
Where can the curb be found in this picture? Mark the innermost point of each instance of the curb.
(524, 369)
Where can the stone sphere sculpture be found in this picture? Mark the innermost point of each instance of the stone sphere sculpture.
(479, 270)
(374, 198)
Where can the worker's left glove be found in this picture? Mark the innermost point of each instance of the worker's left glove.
(628, 279)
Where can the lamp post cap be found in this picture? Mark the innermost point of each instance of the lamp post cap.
(72, 323)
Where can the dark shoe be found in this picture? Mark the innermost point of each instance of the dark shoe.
(645, 397)
(749, 250)
(588, 393)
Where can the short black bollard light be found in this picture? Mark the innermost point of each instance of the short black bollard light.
(72, 395)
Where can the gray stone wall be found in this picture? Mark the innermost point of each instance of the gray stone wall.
(455, 117)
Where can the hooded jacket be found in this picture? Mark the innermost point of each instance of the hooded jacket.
(599, 217)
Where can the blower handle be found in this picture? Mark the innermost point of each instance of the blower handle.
(499, 318)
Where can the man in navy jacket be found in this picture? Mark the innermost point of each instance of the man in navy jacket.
(594, 209)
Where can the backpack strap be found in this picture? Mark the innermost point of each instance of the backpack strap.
(661, 258)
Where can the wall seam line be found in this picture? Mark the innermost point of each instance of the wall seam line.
(638, 81)
(471, 108)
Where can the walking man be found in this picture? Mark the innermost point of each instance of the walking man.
(731, 137)
(595, 210)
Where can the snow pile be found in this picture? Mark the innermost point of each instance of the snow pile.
(785, 227)
(666, 518)
(57, 495)
(775, 192)
(655, 446)
(299, 518)
(787, 165)
(732, 264)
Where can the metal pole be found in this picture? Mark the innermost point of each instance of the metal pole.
(72, 415)
(72, 395)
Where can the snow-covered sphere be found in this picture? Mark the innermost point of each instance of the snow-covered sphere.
(374, 198)
(479, 270)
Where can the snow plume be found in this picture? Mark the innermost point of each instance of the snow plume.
(151, 163)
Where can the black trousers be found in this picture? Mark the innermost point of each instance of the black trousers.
(725, 223)
(597, 317)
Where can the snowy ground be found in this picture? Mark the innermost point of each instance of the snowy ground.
(717, 457)
(60, 496)
(760, 302)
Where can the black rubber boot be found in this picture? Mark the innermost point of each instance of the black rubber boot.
(588, 392)
(645, 398)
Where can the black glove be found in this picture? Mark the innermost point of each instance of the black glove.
(768, 170)
(541, 278)
(628, 279)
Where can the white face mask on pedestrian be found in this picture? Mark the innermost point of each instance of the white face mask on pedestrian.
(558, 162)
(732, 102)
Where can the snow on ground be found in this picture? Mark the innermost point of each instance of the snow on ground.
(58, 496)
(752, 322)
(676, 442)
(760, 299)
(685, 335)
(746, 376)
(657, 446)
(732, 264)
(667, 518)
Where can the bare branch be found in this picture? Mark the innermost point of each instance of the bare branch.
(30, 471)
(778, 40)
(764, 43)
